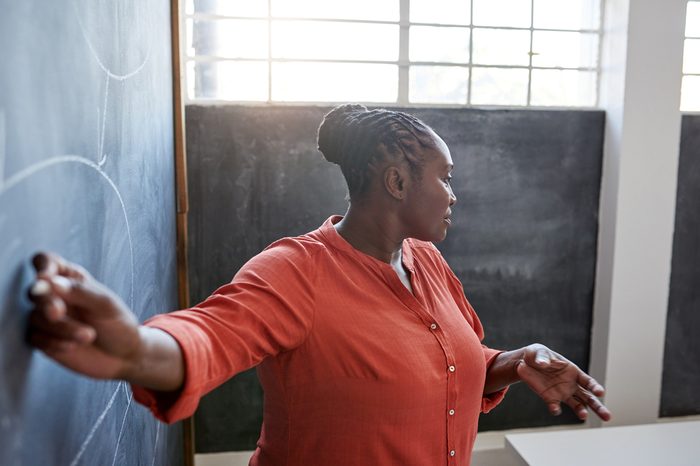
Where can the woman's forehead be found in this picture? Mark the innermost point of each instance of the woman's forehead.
(441, 152)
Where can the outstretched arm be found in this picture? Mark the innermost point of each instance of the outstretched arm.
(84, 326)
(551, 376)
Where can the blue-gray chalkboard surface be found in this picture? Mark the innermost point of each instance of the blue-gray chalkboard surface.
(87, 171)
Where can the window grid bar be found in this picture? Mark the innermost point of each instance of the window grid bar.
(530, 53)
(269, 52)
(404, 47)
(207, 16)
(601, 22)
(471, 53)
(212, 59)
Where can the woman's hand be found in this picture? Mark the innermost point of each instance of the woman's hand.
(84, 326)
(80, 323)
(557, 380)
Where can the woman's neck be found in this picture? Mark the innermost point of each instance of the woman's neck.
(372, 233)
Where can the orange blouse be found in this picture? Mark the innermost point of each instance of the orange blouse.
(355, 369)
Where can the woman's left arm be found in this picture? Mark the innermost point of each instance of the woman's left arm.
(551, 376)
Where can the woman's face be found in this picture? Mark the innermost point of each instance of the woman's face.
(427, 208)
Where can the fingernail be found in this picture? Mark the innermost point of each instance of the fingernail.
(40, 260)
(62, 283)
(542, 360)
(85, 335)
(40, 288)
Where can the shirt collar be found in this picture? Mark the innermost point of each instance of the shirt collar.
(338, 242)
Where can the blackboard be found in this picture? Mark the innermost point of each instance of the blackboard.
(680, 393)
(87, 171)
(523, 240)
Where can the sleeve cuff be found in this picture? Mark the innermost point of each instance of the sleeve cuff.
(171, 407)
(490, 401)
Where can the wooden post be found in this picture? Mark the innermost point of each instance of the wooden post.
(182, 198)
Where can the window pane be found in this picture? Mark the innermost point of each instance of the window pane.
(565, 49)
(377, 10)
(501, 47)
(690, 94)
(333, 40)
(246, 8)
(509, 13)
(440, 11)
(334, 82)
(228, 80)
(438, 84)
(563, 88)
(439, 44)
(692, 20)
(569, 14)
(499, 86)
(691, 56)
(228, 38)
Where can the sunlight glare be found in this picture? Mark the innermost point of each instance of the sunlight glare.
(372, 10)
(334, 82)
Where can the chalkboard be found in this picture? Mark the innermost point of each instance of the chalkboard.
(680, 394)
(523, 239)
(87, 171)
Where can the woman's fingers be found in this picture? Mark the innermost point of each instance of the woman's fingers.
(48, 264)
(554, 407)
(50, 344)
(591, 400)
(590, 384)
(64, 328)
(52, 295)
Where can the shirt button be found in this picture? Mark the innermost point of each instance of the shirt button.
(452, 412)
(451, 368)
(433, 326)
(452, 453)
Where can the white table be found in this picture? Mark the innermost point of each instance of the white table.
(662, 444)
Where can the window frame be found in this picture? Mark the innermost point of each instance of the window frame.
(403, 62)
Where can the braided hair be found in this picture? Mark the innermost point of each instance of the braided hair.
(358, 139)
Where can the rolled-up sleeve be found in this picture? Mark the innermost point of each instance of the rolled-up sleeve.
(266, 309)
(490, 401)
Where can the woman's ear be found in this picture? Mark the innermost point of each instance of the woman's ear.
(395, 181)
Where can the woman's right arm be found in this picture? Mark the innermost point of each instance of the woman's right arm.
(87, 328)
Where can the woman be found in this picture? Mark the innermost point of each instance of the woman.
(367, 349)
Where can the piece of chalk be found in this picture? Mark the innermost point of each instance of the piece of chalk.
(41, 288)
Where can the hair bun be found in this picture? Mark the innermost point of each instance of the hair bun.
(333, 131)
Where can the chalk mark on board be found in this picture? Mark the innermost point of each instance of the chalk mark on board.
(32, 169)
(118, 77)
(155, 444)
(2, 146)
(94, 428)
(101, 156)
(121, 429)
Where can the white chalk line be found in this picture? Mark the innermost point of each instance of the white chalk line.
(101, 418)
(155, 444)
(118, 77)
(2, 146)
(121, 430)
(32, 169)
(101, 156)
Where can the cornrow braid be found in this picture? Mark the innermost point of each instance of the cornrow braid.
(357, 139)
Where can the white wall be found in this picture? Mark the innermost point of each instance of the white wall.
(642, 56)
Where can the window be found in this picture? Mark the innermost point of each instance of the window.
(690, 89)
(437, 52)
